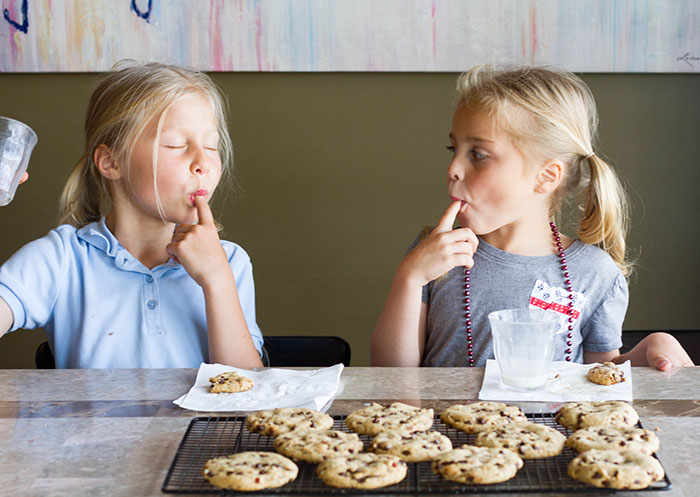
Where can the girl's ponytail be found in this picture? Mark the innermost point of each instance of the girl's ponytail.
(605, 218)
(84, 195)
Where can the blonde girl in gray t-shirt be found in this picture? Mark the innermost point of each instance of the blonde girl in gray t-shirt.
(522, 143)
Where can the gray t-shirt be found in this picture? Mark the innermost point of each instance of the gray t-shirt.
(500, 280)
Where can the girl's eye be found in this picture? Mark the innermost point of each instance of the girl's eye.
(479, 155)
(213, 149)
(174, 146)
(451, 148)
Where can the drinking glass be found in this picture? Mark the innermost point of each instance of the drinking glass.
(523, 342)
(17, 141)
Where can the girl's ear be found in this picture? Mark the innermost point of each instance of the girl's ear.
(106, 164)
(549, 176)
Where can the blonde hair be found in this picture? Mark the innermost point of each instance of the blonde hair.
(552, 114)
(123, 104)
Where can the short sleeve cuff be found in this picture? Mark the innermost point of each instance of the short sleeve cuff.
(15, 306)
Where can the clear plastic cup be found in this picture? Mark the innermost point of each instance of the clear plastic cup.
(523, 342)
(17, 140)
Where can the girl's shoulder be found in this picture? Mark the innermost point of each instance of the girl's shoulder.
(234, 251)
(591, 255)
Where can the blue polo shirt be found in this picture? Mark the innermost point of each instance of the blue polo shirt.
(102, 308)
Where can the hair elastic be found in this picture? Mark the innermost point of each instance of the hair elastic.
(592, 154)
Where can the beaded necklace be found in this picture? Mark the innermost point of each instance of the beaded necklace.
(569, 288)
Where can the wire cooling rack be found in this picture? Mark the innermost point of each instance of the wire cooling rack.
(208, 437)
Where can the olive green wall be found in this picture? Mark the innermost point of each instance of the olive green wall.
(337, 172)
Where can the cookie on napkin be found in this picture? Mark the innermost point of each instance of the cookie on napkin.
(606, 374)
(229, 382)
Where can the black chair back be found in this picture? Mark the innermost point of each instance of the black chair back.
(43, 357)
(305, 350)
(278, 351)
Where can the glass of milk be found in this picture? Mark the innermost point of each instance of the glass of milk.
(523, 342)
(17, 141)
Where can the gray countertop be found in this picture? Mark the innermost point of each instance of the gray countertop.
(115, 432)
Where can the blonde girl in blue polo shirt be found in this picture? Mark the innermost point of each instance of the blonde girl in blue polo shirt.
(136, 276)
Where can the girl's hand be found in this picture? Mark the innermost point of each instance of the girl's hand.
(442, 250)
(658, 350)
(197, 246)
(664, 351)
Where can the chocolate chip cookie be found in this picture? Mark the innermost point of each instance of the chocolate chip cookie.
(414, 446)
(527, 440)
(481, 416)
(277, 421)
(364, 470)
(606, 374)
(376, 418)
(612, 437)
(250, 471)
(317, 445)
(229, 382)
(577, 415)
(479, 465)
(627, 469)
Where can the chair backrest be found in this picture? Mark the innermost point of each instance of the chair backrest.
(297, 350)
(43, 357)
(689, 339)
(305, 350)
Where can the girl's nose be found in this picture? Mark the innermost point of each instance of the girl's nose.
(455, 171)
(200, 163)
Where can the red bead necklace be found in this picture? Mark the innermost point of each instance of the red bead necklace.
(569, 288)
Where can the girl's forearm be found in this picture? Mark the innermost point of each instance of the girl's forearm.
(399, 336)
(228, 335)
(6, 317)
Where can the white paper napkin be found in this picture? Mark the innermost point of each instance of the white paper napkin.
(272, 388)
(567, 383)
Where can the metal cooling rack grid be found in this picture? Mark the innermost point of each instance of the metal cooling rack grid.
(208, 437)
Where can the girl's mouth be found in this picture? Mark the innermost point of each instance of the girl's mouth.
(197, 193)
(455, 199)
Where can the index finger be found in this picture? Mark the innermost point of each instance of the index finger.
(204, 215)
(448, 218)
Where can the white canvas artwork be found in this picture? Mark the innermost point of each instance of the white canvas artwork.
(351, 35)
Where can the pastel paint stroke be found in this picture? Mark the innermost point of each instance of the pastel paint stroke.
(311, 40)
(434, 22)
(258, 35)
(533, 32)
(215, 43)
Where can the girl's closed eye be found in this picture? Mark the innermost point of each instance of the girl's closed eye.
(451, 148)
